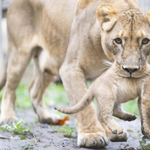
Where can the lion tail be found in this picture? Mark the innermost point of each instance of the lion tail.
(85, 101)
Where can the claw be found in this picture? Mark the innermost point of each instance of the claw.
(115, 132)
(94, 143)
(101, 141)
(93, 140)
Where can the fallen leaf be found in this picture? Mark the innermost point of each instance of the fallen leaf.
(62, 121)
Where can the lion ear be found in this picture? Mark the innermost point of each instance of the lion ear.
(107, 16)
(148, 16)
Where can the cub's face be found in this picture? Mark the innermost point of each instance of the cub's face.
(126, 40)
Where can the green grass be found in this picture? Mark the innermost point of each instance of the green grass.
(56, 93)
(131, 106)
(66, 130)
(144, 145)
(16, 128)
(22, 97)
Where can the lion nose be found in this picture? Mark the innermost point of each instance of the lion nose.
(130, 70)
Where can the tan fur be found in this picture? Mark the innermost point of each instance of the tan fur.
(107, 16)
(68, 35)
(83, 3)
(110, 91)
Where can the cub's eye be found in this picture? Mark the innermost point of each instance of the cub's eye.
(118, 41)
(145, 41)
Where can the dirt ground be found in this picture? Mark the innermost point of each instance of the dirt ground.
(46, 137)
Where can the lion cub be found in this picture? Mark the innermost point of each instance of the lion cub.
(110, 90)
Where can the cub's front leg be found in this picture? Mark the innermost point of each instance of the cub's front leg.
(106, 99)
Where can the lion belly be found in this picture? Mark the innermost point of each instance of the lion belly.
(55, 27)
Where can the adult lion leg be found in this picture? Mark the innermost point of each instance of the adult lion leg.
(120, 113)
(41, 80)
(90, 131)
(18, 61)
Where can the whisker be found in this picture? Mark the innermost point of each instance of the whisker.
(107, 63)
(146, 74)
(104, 69)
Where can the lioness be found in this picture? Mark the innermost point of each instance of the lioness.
(68, 38)
(110, 90)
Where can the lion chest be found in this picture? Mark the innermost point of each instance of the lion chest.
(128, 89)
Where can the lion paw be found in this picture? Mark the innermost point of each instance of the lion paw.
(119, 137)
(130, 117)
(115, 128)
(92, 140)
(8, 120)
(115, 137)
(118, 130)
(53, 119)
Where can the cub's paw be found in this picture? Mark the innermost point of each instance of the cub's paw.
(118, 137)
(115, 137)
(115, 128)
(8, 120)
(130, 117)
(118, 130)
(92, 140)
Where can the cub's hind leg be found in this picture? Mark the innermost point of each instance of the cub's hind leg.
(121, 114)
(41, 79)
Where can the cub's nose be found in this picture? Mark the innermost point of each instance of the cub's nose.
(130, 70)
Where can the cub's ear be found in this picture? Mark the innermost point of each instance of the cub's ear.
(107, 16)
(148, 16)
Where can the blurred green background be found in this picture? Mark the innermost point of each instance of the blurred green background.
(56, 95)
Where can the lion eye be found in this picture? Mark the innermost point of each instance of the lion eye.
(118, 41)
(145, 41)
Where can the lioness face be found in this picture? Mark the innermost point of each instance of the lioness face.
(126, 39)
